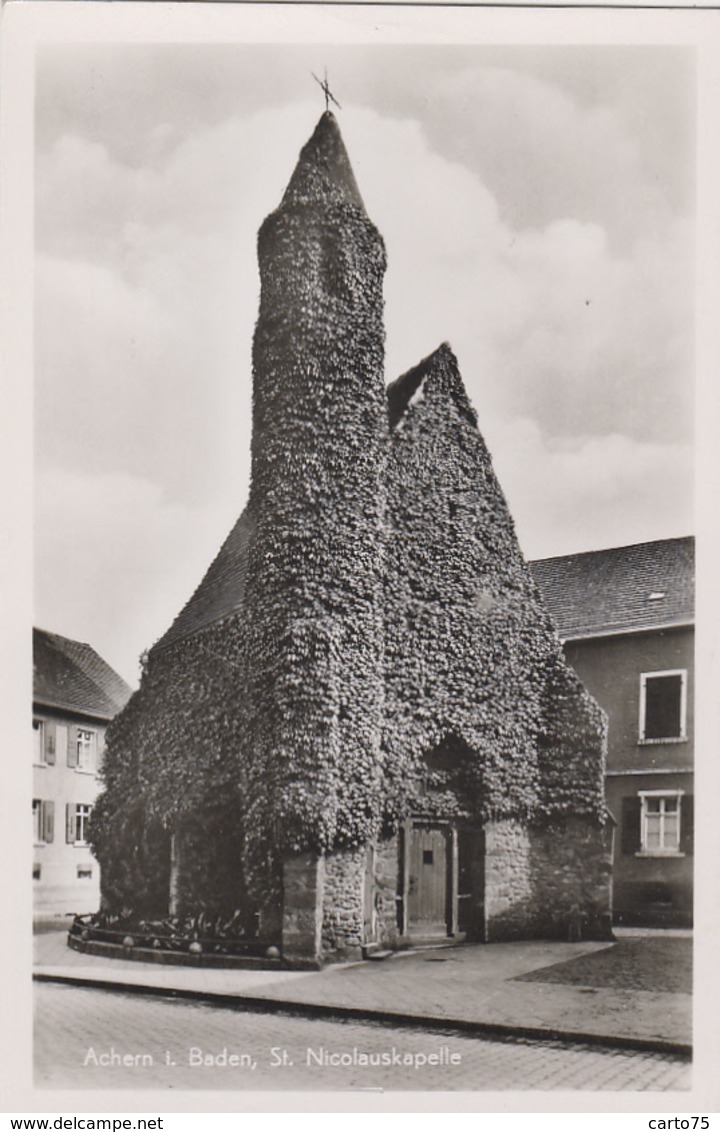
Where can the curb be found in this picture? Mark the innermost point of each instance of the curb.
(493, 1030)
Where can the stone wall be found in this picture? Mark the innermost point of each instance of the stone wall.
(303, 882)
(387, 864)
(571, 870)
(508, 880)
(351, 904)
(342, 905)
(540, 879)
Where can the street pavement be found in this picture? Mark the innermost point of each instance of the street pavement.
(87, 1038)
(476, 987)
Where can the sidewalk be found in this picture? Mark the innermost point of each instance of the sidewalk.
(474, 987)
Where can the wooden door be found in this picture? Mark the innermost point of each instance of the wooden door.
(427, 881)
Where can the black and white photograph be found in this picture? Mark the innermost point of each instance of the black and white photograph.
(363, 408)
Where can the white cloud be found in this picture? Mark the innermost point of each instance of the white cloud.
(550, 320)
(575, 349)
(591, 492)
(115, 561)
(546, 321)
(546, 152)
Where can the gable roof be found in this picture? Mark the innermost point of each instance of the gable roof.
(70, 674)
(648, 585)
(439, 370)
(221, 591)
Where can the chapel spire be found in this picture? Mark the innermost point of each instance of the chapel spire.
(323, 172)
(314, 573)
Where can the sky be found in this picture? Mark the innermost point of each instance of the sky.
(537, 204)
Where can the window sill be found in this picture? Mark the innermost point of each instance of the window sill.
(661, 742)
(660, 853)
(41, 766)
(82, 770)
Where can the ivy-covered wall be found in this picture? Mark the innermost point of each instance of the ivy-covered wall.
(313, 626)
(273, 714)
(369, 642)
(472, 659)
(171, 769)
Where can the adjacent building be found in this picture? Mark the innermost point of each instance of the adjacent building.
(626, 616)
(75, 695)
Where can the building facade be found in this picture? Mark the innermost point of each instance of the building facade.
(75, 695)
(361, 730)
(626, 616)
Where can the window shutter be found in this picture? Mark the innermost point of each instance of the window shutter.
(61, 741)
(50, 744)
(48, 821)
(72, 753)
(70, 813)
(687, 823)
(630, 835)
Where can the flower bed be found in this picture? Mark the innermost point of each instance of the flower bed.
(198, 940)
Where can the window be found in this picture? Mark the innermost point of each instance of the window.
(37, 872)
(663, 703)
(76, 822)
(84, 872)
(86, 749)
(43, 818)
(658, 823)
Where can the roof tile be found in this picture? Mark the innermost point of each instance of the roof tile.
(70, 674)
(620, 589)
(222, 590)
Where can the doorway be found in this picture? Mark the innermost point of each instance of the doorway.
(443, 866)
(428, 880)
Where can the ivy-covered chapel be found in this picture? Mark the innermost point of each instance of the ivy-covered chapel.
(360, 732)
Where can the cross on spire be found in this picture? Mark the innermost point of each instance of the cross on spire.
(329, 96)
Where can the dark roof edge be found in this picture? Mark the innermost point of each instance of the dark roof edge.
(195, 631)
(244, 523)
(60, 706)
(612, 549)
(628, 631)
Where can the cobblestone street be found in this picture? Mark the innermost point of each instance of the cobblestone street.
(168, 1042)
